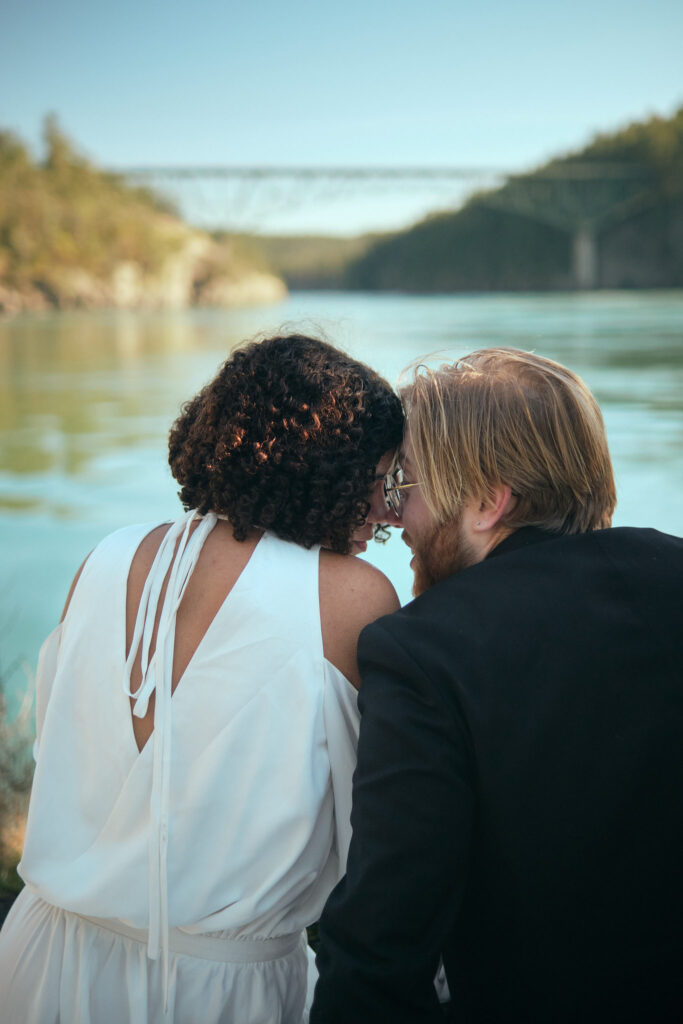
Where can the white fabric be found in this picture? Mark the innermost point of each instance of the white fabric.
(242, 797)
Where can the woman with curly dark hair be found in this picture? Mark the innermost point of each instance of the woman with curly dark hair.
(196, 712)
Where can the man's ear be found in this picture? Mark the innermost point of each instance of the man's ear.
(493, 508)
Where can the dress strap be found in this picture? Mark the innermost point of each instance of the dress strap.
(176, 558)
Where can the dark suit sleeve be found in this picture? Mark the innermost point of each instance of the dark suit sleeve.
(385, 924)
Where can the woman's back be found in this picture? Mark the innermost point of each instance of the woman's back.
(262, 730)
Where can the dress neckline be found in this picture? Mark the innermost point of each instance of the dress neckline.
(245, 572)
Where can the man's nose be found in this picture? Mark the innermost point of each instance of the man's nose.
(379, 513)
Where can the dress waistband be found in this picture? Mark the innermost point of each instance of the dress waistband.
(208, 947)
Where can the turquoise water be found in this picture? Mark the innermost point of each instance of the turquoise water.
(86, 401)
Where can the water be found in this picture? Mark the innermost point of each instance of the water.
(86, 401)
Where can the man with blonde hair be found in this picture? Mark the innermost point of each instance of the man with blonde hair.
(517, 801)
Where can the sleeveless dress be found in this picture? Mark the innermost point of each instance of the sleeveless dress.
(175, 883)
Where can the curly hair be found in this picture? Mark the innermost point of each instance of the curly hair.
(286, 437)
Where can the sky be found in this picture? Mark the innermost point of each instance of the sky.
(504, 85)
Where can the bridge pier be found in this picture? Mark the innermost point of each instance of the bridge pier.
(585, 257)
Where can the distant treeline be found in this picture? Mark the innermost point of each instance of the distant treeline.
(624, 191)
(486, 246)
(304, 261)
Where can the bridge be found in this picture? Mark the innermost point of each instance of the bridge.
(577, 197)
(252, 198)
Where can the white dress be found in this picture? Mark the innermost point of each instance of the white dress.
(175, 883)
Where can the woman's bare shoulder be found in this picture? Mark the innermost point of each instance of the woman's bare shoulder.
(353, 593)
(147, 549)
(353, 578)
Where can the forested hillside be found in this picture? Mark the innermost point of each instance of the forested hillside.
(71, 235)
(624, 191)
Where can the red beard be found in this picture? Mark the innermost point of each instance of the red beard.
(441, 554)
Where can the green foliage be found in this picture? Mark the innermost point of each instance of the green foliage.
(16, 772)
(655, 145)
(65, 215)
(476, 249)
(485, 246)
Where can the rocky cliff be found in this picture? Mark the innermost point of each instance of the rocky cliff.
(74, 237)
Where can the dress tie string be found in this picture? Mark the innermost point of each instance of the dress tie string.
(157, 669)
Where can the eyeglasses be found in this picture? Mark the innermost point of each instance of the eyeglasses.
(393, 488)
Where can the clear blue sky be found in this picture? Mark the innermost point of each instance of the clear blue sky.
(437, 82)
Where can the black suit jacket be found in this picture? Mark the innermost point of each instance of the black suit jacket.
(518, 801)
